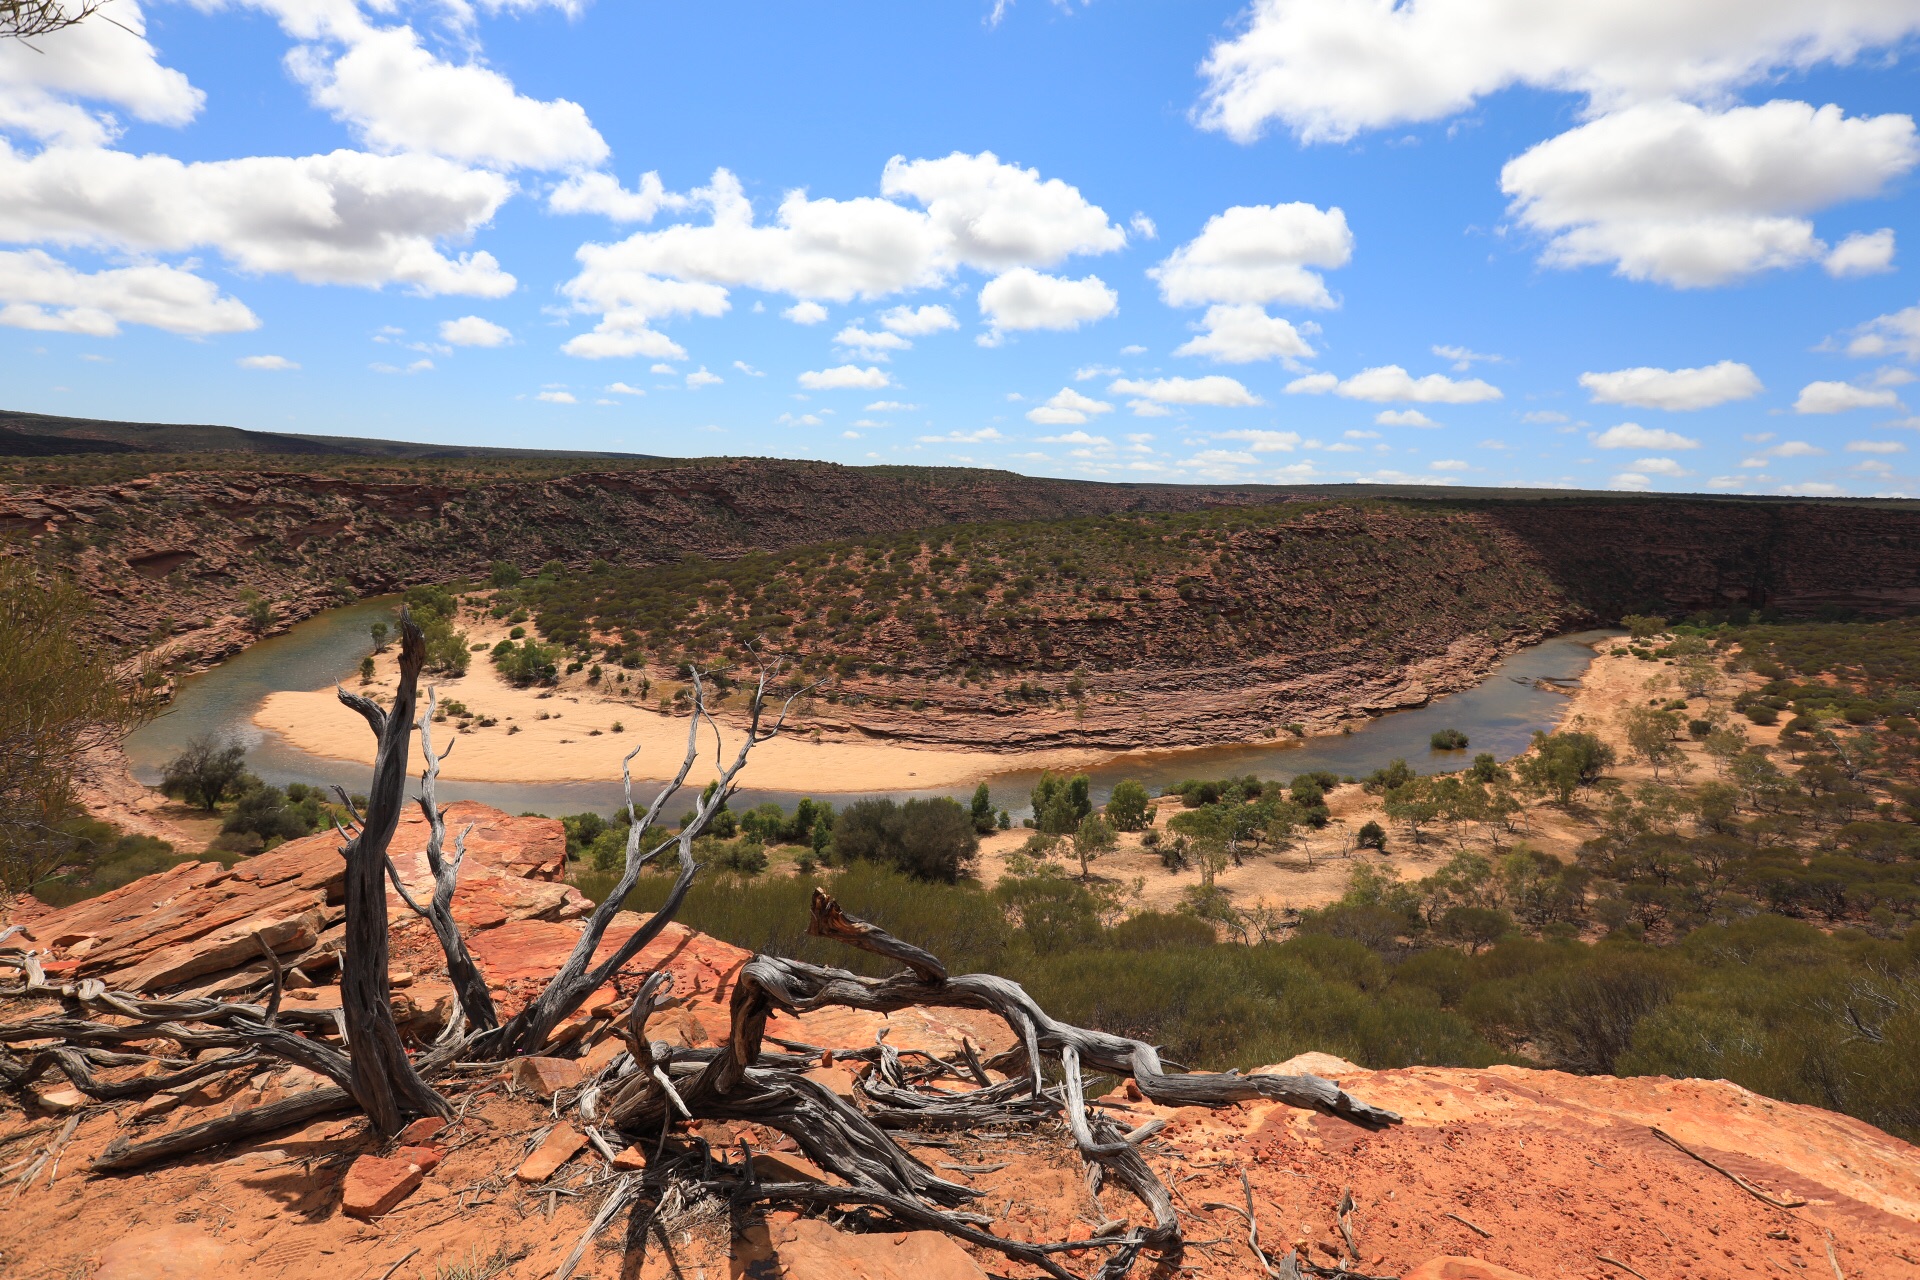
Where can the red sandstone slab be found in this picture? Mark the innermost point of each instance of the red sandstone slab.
(375, 1184)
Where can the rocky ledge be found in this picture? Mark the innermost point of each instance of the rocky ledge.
(1494, 1174)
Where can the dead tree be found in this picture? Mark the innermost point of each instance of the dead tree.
(580, 976)
(646, 1090)
(385, 1082)
(369, 1066)
(476, 1000)
(743, 1081)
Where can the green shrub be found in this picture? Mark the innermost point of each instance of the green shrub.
(1129, 806)
(1380, 781)
(1153, 930)
(929, 839)
(1448, 740)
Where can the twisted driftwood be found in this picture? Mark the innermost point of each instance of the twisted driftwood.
(736, 1083)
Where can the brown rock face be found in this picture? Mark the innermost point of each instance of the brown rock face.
(173, 552)
(1322, 616)
(375, 1184)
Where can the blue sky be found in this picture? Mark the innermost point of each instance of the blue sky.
(1654, 244)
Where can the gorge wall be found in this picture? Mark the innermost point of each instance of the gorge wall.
(1351, 608)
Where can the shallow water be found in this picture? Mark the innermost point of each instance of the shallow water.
(1498, 715)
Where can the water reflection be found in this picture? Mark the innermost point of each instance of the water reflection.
(1499, 715)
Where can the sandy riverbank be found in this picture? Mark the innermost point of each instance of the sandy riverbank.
(567, 734)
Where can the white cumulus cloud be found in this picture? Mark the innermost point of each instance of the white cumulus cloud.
(1838, 397)
(399, 97)
(1263, 441)
(268, 364)
(1674, 389)
(868, 344)
(1690, 197)
(1660, 467)
(1214, 389)
(805, 313)
(1329, 69)
(1241, 333)
(845, 376)
(43, 82)
(1257, 254)
(1067, 407)
(341, 218)
(1403, 418)
(1391, 382)
(1864, 253)
(918, 321)
(473, 331)
(1894, 334)
(997, 215)
(38, 291)
(1027, 299)
(1631, 435)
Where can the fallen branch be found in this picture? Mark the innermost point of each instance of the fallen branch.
(1481, 1231)
(122, 1156)
(1739, 1181)
(1253, 1227)
(1615, 1262)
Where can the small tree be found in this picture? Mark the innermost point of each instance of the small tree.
(1129, 805)
(1093, 838)
(1060, 802)
(207, 770)
(1643, 626)
(1650, 737)
(366, 669)
(59, 699)
(1380, 781)
(982, 810)
(379, 632)
(1414, 804)
(1565, 762)
(258, 611)
(503, 574)
(1371, 836)
(1448, 740)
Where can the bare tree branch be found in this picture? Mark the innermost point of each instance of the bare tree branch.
(25, 19)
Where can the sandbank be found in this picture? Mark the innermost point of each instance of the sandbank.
(556, 739)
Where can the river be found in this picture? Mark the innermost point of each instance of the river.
(1499, 715)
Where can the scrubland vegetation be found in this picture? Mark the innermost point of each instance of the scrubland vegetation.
(1752, 918)
(1740, 899)
(955, 602)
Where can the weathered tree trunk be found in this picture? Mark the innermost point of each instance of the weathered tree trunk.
(476, 999)
(384, 1080)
